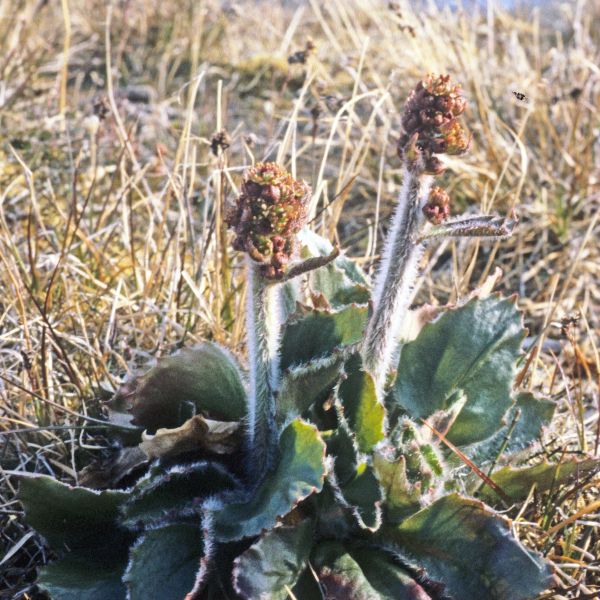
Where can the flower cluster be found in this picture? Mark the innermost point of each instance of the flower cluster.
(430, 121)
(270, 210)
(437, 209)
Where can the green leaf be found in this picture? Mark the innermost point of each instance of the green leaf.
(83, 578)
(342, 282)
(364, 413)
(526, 419)
(352, 270)
(340, 575)
(390, 580)
(314, 244)
(401, 497)
(471, 549)
(357, 294)
(81, 524)
(71, 518)
(341, 445)
(163, 564)
(319, 332)
(364, 495)
(275, 561)
(303, 385)
(337, 287)
(299, 472)
(290, 296)
(517, 482)
(205, 379)
(535, 413)
(363, 572)
(334, 519)
(173, 490)
(473, 348)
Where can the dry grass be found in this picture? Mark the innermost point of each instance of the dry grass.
(112, 246)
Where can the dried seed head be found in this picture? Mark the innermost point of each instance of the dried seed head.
(302, 56)
(219, 142)
(430, 121)
(437, 209)
(269, 212)
(101, 107)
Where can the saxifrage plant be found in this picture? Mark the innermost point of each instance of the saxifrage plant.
(346, 482)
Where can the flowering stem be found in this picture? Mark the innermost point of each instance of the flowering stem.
(396, 277)
(263, 321)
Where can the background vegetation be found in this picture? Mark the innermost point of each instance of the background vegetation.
(113, 249)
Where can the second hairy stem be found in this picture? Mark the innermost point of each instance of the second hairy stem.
(396, 278)
(263, 321)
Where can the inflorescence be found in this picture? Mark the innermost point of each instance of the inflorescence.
(269, 212)
(430, 121)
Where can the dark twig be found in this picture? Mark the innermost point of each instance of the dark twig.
(310, 264)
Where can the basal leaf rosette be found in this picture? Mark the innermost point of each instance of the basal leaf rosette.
(270, 210)
(431, 126)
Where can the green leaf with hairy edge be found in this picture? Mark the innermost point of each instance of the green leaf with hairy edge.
(319, 332)
(352, 270)
(517, 482)
(362, 572)
(363, 493)
(364, 413)
(276, 560)
(305, 384)
(473, 348)
(342, 282)
(299, 472)
(533, 414)
(334, 520)
(469, 547)
(341, 445)
(290, 296)
(337, 287)
(174, 489)
(76, 520)
(401, 497)
(71, 518)
(339, 574)
(164, 562)
(205, 378)
(390, 580)
(84, 578)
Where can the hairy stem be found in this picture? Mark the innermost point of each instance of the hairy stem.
(263, 321)
(396, 278)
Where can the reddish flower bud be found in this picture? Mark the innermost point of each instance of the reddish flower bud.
(433, 166)
(431, 117)
(437, 209)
